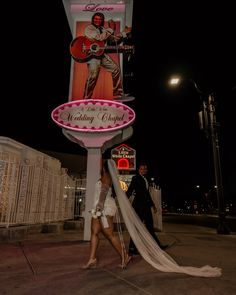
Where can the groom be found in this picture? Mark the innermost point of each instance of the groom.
(142, 204)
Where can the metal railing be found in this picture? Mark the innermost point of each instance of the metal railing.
(33, 189)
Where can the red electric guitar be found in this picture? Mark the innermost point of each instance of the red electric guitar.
(82, 49)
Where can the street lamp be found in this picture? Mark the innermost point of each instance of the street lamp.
(208, 122)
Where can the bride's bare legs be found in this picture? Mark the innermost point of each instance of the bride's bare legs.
(94, 242)
(114, 240)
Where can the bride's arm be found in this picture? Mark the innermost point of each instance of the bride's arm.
(102, 196)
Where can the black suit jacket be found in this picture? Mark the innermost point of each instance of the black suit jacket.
(142, 197)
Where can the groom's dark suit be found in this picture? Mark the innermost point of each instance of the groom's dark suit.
(142, 204)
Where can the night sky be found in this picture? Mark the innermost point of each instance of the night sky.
(195, 41)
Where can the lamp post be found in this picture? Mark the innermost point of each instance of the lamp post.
(209, 123)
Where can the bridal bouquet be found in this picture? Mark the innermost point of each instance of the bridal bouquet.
(96, 213)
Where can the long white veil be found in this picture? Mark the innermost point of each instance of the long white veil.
(145, 243)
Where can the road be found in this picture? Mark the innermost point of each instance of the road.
(211, 221)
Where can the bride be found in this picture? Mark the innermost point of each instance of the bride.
(103, 212)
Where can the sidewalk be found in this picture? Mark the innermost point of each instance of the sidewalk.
(51, 264)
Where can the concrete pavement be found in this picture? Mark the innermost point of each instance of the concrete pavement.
(49, 263)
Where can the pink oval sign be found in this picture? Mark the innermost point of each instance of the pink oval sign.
(93, 115)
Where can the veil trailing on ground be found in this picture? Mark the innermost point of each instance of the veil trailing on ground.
(145, 243)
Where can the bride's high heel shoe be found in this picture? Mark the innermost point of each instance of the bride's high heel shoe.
(126, 261)
(92, 263)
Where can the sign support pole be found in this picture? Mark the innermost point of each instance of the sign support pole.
(95, 144)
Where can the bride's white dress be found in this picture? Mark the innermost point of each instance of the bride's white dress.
(110, 207)
(145, 243)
